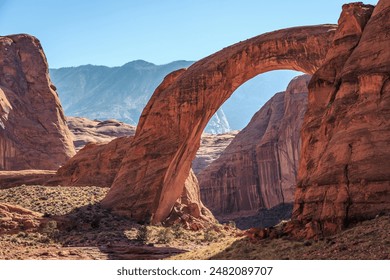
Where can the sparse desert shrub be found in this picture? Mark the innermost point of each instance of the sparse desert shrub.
(164, 236)
(232, 224)
(177, 231)
(50, 229)
(142, 234)
(209, 235)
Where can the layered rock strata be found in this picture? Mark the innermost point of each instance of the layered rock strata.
(211, 147)
(14, 219)
(345, 162)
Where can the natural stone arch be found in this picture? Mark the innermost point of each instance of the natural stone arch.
(154, 170)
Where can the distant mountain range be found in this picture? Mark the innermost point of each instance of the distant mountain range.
(101, 92)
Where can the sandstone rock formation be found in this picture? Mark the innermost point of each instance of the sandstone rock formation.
(345, 162)
(211, 146)
(92, 131)
(9, 179)
(95, 165)
(258, 169)
(33, 131)
(153, 172)
(14, 219)
(98, 163)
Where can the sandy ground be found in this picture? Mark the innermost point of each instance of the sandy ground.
(80, 229)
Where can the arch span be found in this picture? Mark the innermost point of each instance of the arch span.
(154, 170)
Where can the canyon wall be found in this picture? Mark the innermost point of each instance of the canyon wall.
(344, 173)
(258, 169)
(33, 130)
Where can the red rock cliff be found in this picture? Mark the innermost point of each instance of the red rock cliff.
(344, 173)
(258, 169)
(33, 131)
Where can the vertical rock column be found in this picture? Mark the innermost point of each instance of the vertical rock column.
(33, 131)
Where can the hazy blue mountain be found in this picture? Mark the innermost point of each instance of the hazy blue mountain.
(100, 92)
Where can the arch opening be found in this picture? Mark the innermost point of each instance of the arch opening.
(250, 177)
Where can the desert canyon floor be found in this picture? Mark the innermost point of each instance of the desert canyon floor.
(320, 150)
(79, 228)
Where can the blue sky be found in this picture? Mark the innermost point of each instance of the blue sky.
(113, 32)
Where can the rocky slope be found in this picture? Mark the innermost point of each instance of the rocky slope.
(100, 92)
(258, 169)
(344, 172)
(211, 146)
(94, 165)
(33, 131)
(98, 163)
(76, 227)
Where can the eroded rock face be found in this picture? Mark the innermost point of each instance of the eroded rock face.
(14, 219)
(211, 147)
(344, 170)
(189, 209)
(33, 131)
(92, 131)
(258, 169)
(96, 164)
(9, 179)
(153, 172)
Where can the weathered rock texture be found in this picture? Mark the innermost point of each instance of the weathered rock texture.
(344, 173)
(98, 163)
(258, 169)
(33, 131)
(153, 172)
(9, 179)
(92, 131)
(211, 147)
(14, 219)
(95, 165)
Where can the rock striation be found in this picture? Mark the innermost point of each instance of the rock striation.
(258, 169)
(154, 169)
(211, 146)
(14, 219)
(345, 162)
(33, 130)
